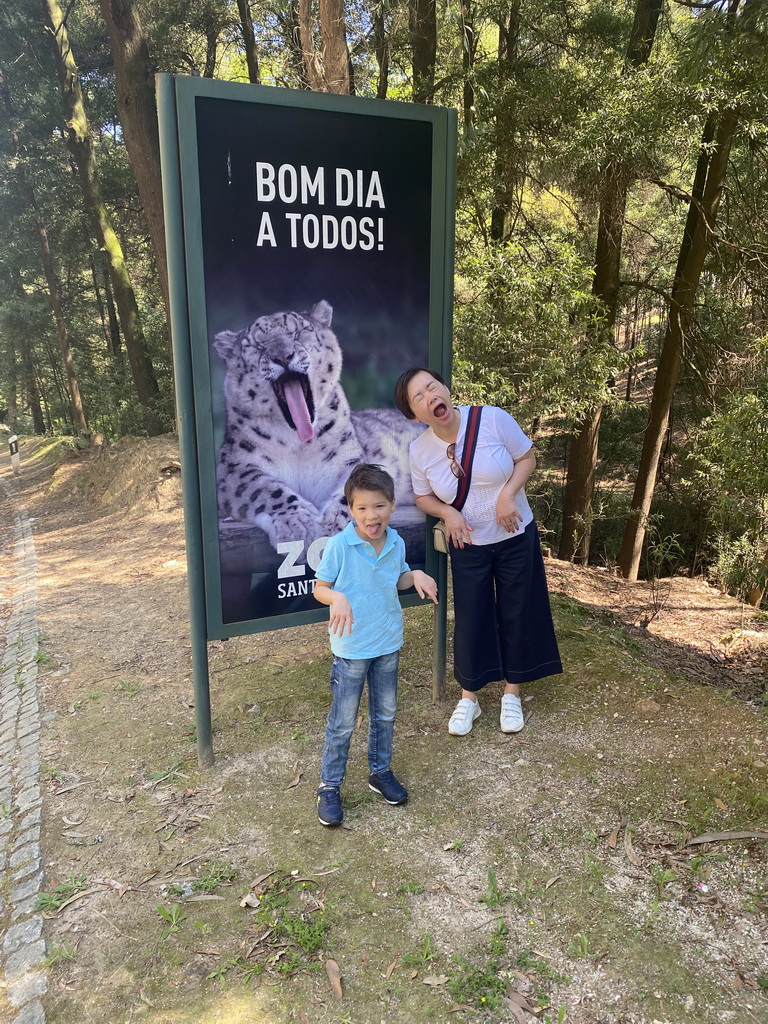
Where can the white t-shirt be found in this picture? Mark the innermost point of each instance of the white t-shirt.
(500, 443)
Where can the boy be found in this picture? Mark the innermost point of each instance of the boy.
(361, 570)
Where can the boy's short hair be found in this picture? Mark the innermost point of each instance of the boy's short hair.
(368, 477)
(401, 388)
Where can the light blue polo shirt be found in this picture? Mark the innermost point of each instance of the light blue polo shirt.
(369, 582)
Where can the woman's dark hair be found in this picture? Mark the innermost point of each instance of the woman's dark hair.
(401, 388)
(368, 477)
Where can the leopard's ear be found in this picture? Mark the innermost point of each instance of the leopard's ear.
(321, 313)
(226, 344)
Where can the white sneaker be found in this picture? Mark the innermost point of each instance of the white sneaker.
(463, 717)
(511, 718)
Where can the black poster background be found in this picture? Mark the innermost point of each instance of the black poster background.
(380, 297)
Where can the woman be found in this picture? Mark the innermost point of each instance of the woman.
(503, 628)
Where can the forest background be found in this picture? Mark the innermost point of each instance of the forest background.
(612, 243)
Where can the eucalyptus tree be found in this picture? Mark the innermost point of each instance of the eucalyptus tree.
(134, 72)
(80, 145)
(736, 92)
(615, 176)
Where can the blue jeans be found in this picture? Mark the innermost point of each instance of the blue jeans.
(347, 681)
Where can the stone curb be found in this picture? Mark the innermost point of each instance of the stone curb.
(22, 948)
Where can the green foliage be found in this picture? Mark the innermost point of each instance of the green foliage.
(174, 918)
(480, 984)
(52, 901)
(521, 325)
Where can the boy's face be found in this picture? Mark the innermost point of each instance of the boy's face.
(371, 511)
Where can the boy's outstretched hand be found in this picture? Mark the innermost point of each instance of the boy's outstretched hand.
(425, 585)
(341, 614)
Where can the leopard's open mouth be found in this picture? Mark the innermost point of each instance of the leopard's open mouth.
(294, 396)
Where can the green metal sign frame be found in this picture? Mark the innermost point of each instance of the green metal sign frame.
(178, 98)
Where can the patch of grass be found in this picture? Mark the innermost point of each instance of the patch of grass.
(531, 963)
(44, 660)
(50, 902)
(169, 774)
(412, 888)
(288, 930)
(60, 954)
(494, 896)
(579, 946)
(174, 918)
(216, 875)
(480, 985)
(423, 957)
(129, 689)
(662, 877)
(51, 773)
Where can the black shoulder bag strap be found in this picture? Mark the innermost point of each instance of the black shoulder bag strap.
(468, 455)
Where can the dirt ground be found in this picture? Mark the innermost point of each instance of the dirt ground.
(558, 876)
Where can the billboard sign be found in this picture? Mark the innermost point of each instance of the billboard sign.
(317, 266)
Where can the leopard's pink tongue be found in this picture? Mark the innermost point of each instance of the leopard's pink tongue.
(297, 405)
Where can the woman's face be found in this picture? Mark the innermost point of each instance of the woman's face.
(430, 400)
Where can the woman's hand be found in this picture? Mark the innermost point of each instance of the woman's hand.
(457, 529)
(507, 513)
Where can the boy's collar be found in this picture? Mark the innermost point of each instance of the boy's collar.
(353, 537)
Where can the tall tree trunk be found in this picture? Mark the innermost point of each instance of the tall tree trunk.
(423, 30)
(137, 110)
(335, 49)
(32, 389)
(26, 374)
(504, 175)
(249, 41)
(54, 296)
(109, 321)
(697, 236)
(310, 58)
(582, 458)
(468, 48)
(79, 143)
(757, 592)
(293, 34)
(211, 48)
(381, 49)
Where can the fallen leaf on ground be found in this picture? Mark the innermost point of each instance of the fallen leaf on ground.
(391, 968)
(250, 900)
(629, 850)
(723, 837)
(296, 779)
(552, 881)
(262, 878)
(334, 976)
(613, 838)
(518, 1005)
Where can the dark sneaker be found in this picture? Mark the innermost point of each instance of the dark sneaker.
(329, 806)
(387, 785)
